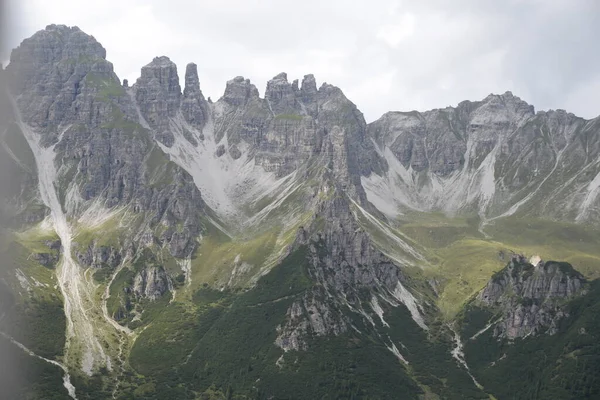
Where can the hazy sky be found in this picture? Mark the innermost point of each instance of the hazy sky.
(384, 54)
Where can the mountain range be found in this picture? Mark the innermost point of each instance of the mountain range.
(157, 244)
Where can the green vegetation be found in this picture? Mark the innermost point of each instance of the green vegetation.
(462, 261)
(27, 377)
(565, 365)
(108, 88)
(429, 356)
(221, 345)
(159, 169)
(576, 244)
(215, 259)
(33, 309)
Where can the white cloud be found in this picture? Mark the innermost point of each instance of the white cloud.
(394, 34)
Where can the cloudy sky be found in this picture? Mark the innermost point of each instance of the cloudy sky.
(384, 54)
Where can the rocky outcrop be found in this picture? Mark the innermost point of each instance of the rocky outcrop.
(312, 315)
(346, 266)
(98, 256)
(68, 94)
(343, 257)
(239, 91)
(491, 157)
(291, 125)
(158, 95)
(193, 106)
(151, 283)
(280, 96)
(531, 297)
(47, 75)
(50, 258)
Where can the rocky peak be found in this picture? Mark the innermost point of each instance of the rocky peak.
(506, 104)
(55, 75)
(308, 94)
(239, 91)
(56, 43)
(309, 86)
(161, 72)
(158, 94)
(192, 83)
(529, 296)
(280, 94)
(193, 106)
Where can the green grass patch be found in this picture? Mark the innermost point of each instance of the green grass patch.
(214, 260)
(108, 88)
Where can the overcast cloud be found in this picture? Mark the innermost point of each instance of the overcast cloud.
(385, 54)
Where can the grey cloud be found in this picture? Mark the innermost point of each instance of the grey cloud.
(385, 55)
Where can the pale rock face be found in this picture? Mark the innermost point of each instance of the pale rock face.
(495, 157)
(158, 95)
(280, 95)
(193, 106)
(69, 95)
(151, 283)
(239, 91)
(310, 316)
(530, 297)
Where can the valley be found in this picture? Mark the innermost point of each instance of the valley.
(162, 245)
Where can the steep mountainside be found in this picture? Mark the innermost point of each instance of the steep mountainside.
(496, 157)
(162, 245)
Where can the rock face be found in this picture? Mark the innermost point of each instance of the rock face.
(99, 256)
(162, 189)
(346, 264)
(68, 94)
(292, 125)
(509, 157)
(239, 91)
(50, 258)
(151, 283)
(530, 296)
(194, 107)
(310, 316)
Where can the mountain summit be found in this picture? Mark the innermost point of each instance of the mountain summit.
(166, 246)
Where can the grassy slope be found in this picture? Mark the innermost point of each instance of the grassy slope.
(31, 311)
(462, 259)
(222, 344)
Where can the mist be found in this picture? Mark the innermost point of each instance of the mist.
(11, 357)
